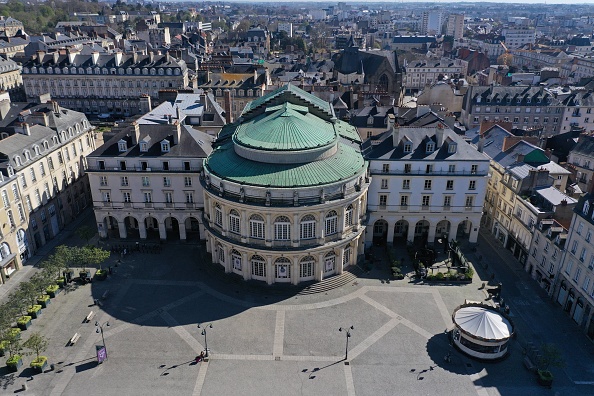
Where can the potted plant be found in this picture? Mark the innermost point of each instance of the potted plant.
(24, 322)
(550, 356)
(101, 274)
(61, 281)
(37, 343)
(14, 348)
(52, 290)
(43, 300)
(3, 347)
(34, 311)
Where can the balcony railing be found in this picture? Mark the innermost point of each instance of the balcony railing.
(424, 172)
(170, 169)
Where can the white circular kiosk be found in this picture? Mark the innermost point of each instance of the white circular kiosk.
(481, 331)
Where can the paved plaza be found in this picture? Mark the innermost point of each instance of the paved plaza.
(272, 344)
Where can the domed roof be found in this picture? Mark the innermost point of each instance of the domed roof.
(483, 323)
(285, 127)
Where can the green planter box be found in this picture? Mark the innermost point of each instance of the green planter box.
(101, 275)
(14, 363)
(44, 301)
(24, 322)
(84, 274)
(545, 378)
(39, 364)
(61, 282)
(53, 290)
(34, 311)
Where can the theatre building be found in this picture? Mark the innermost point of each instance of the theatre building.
(285, 191)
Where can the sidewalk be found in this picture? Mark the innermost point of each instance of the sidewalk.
(31, 266)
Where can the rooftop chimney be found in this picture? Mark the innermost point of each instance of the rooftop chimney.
(203, 101)
(55, 107)
(439, 129)
(95, 56)
(24, 129)
(228, 106)
(136, 135)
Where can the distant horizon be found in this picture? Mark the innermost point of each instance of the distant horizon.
(526, 2)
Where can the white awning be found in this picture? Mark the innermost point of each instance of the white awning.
(483, 323)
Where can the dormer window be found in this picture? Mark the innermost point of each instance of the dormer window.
(452, 148)
(165, 146)
(408, 147)
(143, 147)
(122, 146)
(430, 147)
(586, 207)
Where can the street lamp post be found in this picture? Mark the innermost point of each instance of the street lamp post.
(100, 330)
(348, 335)
(204, 334)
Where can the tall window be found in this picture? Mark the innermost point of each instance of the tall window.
(188, 181)
(427, 185)
(5, 199)
(15, 191)
(282, 267)
(145, 181)
(308, 227)
(33, 177)
(384, 183)
(41, 169)
(383, 200)
(258, 266)
(189, 197)
(404, 200)
(236, 259)
(168, 197)
(426, 200)
(447, 201)
(406, 184)
(469, 201)
(127, 198)
(348, 216)
(472, 185)
(282, 228)
(331, 223)
(221, 254)
(218, 218)
(106, 196)
(449, 185)
(148, 197)
(306, 267)
(256, 227)
(124, 181)
(166, 181)
(234, 224)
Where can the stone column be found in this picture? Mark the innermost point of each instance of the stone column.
(228, 263)
(390, 232)
(162, 231)
(431, 236)
(182, 230)
(295, 271)
(340, 260)
(269, 270)
(357, 216)
(319, 268)
(243, 226)
(101, 228)
(295, 231)
(245, 266)
(320, 227)
(122, 229)
(411, 231)
(268, 230)
(142, 229)
(201, 229)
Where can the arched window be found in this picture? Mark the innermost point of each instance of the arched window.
(348, 216)
(282, 268)
(383, 83)
(27, 155)
(331, 223)
(17, 160)
(218, 215)
(234, 222)
(236, 259)
(329, 261)
(45, 145)
(282, 228)
(258, 266)
(307, 227)
(37, 150)
(306, 267)
(256, 227)
(4, 251)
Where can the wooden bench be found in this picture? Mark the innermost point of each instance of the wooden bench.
(529, 365)
(89, 316)
(74, 338)
(104, 296)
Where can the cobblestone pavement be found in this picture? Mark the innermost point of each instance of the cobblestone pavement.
(264, 344)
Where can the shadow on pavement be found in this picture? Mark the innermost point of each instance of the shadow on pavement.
(7, 378)
(439, 346)
(85, 366)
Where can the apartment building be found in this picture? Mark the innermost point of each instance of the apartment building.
(578, 111)
(525, 107)
(546, 253)
(427, 184)
(145, 180)
(581, 162)
(518, 36)
(420, 73)
(455, 26)
(44, 186)
(574, 289)
(102, 83)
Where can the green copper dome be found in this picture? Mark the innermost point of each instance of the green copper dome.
(285, 127)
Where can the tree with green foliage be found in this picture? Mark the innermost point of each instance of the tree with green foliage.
(86, 233)
(36, 343)
(550, 356)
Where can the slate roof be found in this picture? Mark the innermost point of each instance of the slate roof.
(105, 60)
(419, 137)
(587, 215)
(585, 146)
(287, 119)
(353, 60)
(413, 39)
